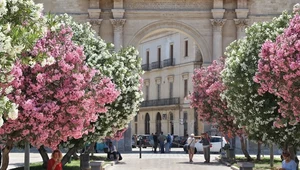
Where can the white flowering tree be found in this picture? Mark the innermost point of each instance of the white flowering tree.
(256, 113)
(124, 69)
(21, 24)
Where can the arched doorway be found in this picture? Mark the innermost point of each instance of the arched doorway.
(158, 123)
(171, 123)
(147, 124)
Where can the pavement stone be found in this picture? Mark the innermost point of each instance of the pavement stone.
(175, 160)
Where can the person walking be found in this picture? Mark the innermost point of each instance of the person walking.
(155, 140)
(168, 142)
(206, 147)
(151, 141)
(172, 138)
(161, 140)
(55, 162)
(191, 146)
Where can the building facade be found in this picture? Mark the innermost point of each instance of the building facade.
(213, 25)
(169, 59)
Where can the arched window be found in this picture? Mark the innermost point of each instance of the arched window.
(185, 124)
(158, 122)
(171, 122)
(147, 124)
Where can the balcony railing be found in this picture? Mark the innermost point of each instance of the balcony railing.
(160, 102)
(155, 65)
(146, 67)
(169, 62)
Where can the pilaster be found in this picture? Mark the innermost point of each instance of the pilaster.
(118, 11)
(217, 37)
(118, 32)
(217, 24)
(241, 25)
(96, 23)
(94, 15)
(94, 4)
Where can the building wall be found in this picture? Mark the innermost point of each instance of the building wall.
(183, 69)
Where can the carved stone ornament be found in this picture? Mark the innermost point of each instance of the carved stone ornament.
(241, 23)
(218, 24)
(171, 78)
(147, 82)
(95, 21)
(185, 76)
(158, 80)
(118, 24)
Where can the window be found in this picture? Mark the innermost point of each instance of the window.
(158, 123)
(172, 54)
(147, 60)
(136, 128)
(159, 56)
(185, 125)
(135, 118)
(185, 88)
(171, 90)
(172, 123)
(147, 124)
(158, 91)
(186, 48)
(147, 93)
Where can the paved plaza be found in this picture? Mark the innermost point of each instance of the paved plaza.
(176, 160)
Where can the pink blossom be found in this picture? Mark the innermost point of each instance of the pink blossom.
(57, 101)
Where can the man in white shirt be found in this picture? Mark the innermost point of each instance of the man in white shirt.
(191, 145)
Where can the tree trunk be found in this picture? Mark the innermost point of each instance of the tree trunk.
(258, 156)
(44, 156)
(68, 155)
(5, 157)
(244, 150)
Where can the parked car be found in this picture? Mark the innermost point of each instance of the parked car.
(178, 141)
(145, 141)
(215, 141)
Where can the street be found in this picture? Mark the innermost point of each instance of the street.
(176, 160)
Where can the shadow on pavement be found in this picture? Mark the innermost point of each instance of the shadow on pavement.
(201, 163)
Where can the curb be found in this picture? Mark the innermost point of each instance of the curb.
(109, 165)
(227, 164)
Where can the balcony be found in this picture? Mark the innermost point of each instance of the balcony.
(169, 62)
(155, 65)
(160, 102)
(146, 67)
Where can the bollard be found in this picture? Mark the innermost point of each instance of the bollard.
(246, 165)
(96, 165)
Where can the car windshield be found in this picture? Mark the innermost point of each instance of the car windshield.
(215, 140)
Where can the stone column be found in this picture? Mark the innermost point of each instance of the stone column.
(118, 32)
(96, 23)
(217, 37)
(241, 25)
(241, 15)
(94, 19)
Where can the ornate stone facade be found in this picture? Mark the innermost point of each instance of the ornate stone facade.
(213, 24)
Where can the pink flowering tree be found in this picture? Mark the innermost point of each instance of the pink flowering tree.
(59, 98)
(207, 101)
(279, 74)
